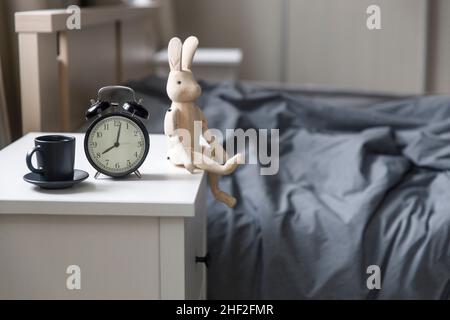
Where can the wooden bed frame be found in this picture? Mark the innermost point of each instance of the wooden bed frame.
(61, 69)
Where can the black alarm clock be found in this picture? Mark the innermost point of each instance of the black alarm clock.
(116, 142)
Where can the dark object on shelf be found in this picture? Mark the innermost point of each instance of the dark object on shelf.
(116, 125)
(39, 180)
(97, 108)
(136, 109)
(55, 157)
(206, 259)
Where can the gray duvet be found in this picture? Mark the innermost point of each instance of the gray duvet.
(362, 182)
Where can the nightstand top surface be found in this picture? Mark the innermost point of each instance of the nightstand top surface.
(164, 190)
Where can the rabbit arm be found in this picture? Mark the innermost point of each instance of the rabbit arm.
(175, 138)
(208, 137)
(170, 122)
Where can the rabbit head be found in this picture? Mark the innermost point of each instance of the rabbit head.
(181, 84)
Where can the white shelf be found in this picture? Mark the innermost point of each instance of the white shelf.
(165, 190)
(207, 56)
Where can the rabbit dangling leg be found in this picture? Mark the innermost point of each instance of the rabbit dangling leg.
(204, 162)
(220, 195)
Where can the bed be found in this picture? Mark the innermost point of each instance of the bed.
(363, 177)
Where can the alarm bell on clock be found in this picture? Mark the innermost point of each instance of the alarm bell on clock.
(117, 141)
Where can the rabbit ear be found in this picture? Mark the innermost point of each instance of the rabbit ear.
(174, 50)
(189, 47)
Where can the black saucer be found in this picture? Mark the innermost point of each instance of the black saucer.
(38, 179)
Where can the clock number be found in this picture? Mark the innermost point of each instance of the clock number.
(99, 134)
(141, 143)
(94, 144)
(116, 123)
(107, 162)
(127, 125)
(136, 154)
(98, 155)
(128, 163)
(136, 133)
(117, 165)
(106, 126)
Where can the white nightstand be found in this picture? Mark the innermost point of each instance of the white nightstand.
(132, 239)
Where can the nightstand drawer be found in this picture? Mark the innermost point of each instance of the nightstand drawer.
(118, 258)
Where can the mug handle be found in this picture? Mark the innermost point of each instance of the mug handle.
(30, 164)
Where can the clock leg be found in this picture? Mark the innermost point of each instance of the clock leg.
(138, 174)
(97, 175)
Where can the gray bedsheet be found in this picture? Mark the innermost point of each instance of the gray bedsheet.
(362, 181)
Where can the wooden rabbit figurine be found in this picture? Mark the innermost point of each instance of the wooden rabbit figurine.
(184, 115)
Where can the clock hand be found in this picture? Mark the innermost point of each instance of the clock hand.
(118, 135)
(116, 144)
(109, 149)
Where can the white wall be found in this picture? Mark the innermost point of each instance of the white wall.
(316, 41)
(253, 25)
(329, 43)
(439, 53)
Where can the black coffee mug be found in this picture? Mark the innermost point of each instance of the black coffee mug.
(55, 156)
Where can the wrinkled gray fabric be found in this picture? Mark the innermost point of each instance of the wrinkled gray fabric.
(362, 183)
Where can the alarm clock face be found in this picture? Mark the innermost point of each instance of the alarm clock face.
(116, 145)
